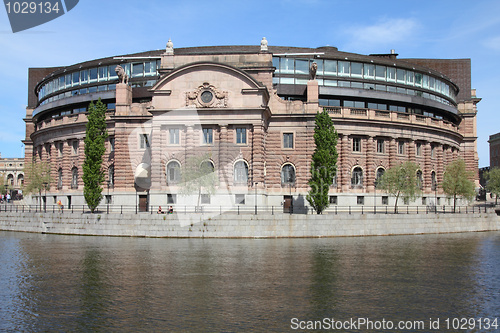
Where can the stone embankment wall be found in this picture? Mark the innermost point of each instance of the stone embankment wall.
(246, 226)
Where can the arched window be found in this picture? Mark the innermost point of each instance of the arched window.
(111, 176)
(20, 180)
(59, 178)
(420, 180)
(433, 181)
(207, 167)
(357, 177)
(287, 174)
(10, 179)
(74, 178)
(380, 173)
(173, 172)
(240, 172)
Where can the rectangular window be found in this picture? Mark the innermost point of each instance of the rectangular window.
(344, 68)
(112, 144)
(288, 140)
(380, 72)
(418, 149)
(330, 67)
(356, 144)
(205, 199)
(361, 200)
(287, 65)
(171, 199)
(424, 201)
(144, 141)
(333, 199)
(173, 134)
(93, 74)
(380, 146)
(401, 147)
(103, 73)
(207, 136)
(241, 135)
(369, 71)
(138, 70)
(356, 69)
(239, 199)
(432, 151)
(400, 76)
(385, 200)
(301, 66)
(75, 147)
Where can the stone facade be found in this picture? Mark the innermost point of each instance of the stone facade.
(12, 174)
(494, 142)
(236, 107)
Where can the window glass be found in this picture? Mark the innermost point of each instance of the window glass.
(356, 144)
(357, 85)
(391, 74)
(357, 177)
(138, 70)
(320, 69)
(207, 136)
(344, 68)
(287, 65)
(103, 73)
(111, 72)
(144, 141)
(356, 69)
(62, 83)
(288, 140)
(425, 81)
(330, 67)
(369, 71)
(349, 104)
(173, 136)
(380, 148)
(418, 79)
(400, 76)
(84, 76)
(287, 80)
(241, 172)
(173, 172)
(241, 135)
(301, 66)
(93, 74)
(92, 89)
(432, 83)
(276, 64)
(380, 72)
(68, 80)
(288, 174)
(76, 78)
(331, 83)
(380, 87)
(410, 78)
(369, 86)
(345, 84)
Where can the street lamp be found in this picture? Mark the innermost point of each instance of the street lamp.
(256, 197)
(45, 197)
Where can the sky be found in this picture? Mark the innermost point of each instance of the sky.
(95, 29)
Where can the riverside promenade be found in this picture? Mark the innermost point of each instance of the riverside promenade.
(234, 225)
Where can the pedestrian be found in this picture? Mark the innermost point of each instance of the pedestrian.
(8, 197)
(61, 207)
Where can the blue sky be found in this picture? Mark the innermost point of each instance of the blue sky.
(94, 29)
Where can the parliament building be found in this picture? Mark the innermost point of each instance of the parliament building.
(249, 112)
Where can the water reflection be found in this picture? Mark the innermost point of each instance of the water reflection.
(70, 283)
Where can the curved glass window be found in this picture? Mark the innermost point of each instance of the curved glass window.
(207, 167)
(240, 172)
(287, 174)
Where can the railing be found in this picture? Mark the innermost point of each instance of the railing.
(248, 209)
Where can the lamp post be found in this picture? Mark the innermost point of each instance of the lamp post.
(107, 198)
(45, 197)
(255, 185)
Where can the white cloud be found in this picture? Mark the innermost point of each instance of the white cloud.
(383, 33)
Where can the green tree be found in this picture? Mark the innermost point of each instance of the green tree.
(493, 184)
(457, 181)
(95, 136)
(198, 176)
(37, 178)
(401, 180)
(324, 162)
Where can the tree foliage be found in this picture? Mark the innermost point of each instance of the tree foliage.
(198, 176)
(37, 175)
(457, 181)
(401, 181)
(324, 162)
(95, 136)
(493, 182)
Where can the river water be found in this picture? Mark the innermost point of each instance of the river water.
(101, 284)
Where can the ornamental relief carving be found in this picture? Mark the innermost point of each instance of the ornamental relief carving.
(207, 96)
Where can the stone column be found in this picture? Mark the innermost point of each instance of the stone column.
(157, 171)
(392, 152)
(258, 156)
(343, 173)
(427, 167)
(438, 150)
